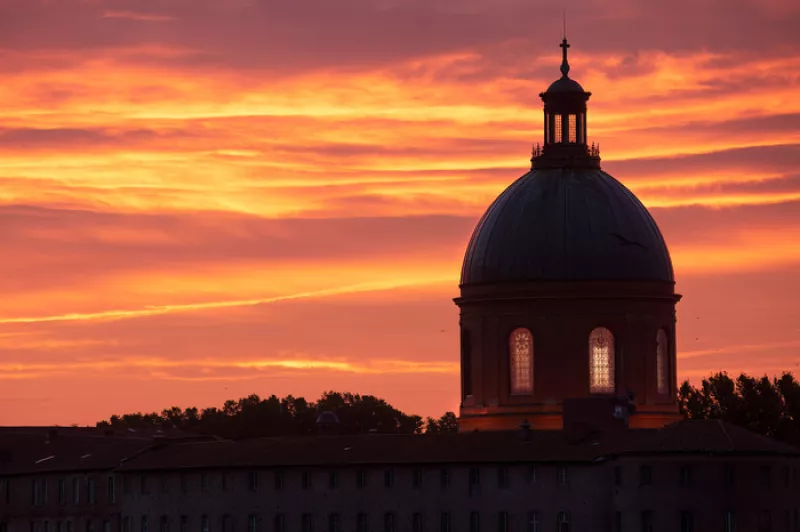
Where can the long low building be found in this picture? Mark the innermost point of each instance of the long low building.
(687, 476)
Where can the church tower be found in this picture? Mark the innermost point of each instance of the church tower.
(567, 289)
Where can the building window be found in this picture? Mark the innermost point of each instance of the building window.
(687, 521)
(89, 526)
(445, 522)
(532, 475)
(184, 483)
(361, 479)
(252, 523)
(144, 485)
(618, 475)
(502, 522)
(278, 523)
(144, 523)
(69, 526)
(474, 479)
(764, 521)
(252, 480)
(62, 491)
(502, 477)
(729, 475)
(76, 491)
(645, 475)
(573, 129)
(687, 472)
(562, 522)
(334, 523)
(226, 481)
(388, 522)
(307, 523)
(521, 350)
(601, 361)
(362, 523)
(126, 485)
(205, 484)
(184, 523)
(306, 480)
(333, 480)
(388, 478)
(730, 522)
(112, 489)
(416, 479)
(417, 524)
(662, 362)
(91, 491)
(618, 524)
(106, 526)
(766, 476)
(36, 493)
(445, 477)
(787, 477)
(227, 523)
(126, 524)
(163, 484)
(279, 480)
(466, 363)
(558, 128)
(648, 521)
(164, 525)
(205, 525)
(533, 522)
(563, 476)
(474, 522)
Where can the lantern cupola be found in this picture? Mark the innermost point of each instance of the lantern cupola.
(565, 138)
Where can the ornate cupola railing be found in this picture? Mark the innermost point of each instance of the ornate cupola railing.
(565, 138)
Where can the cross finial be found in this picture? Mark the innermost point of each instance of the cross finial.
(564, 63)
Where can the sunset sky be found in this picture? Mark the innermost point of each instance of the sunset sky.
(204, 199)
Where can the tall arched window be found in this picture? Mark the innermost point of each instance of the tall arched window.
(601, 361)
(521, 361)
(466, 363)
(662, 362)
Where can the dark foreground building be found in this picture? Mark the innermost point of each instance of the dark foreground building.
(569, 417)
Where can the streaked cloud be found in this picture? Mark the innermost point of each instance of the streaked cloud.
(219, 198)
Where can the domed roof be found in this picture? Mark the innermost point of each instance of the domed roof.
(564, 84)
(566, 224)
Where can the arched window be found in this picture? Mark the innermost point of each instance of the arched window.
(466, 363)
(662, 362)
(521, 361)
(601, 361)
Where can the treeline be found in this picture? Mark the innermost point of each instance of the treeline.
(252, 417)
(767, 406)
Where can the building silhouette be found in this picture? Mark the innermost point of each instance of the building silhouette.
(569, 420)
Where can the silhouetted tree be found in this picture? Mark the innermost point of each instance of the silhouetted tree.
(253, 416)
(768, 407)
(448, 423)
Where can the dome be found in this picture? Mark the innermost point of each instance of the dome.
(563, 85)
(558, 224)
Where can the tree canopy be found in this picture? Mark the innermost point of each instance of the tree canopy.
(253, 416)
(767, 406)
